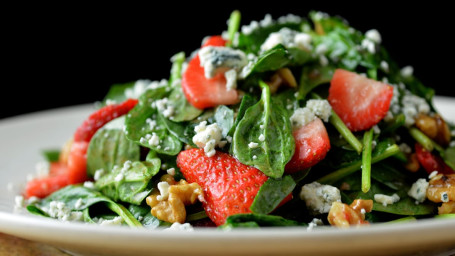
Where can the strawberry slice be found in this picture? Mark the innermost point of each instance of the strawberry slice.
(431, 162)
(360, 102)
(311, 146)
(229, 186)
(202, 92)
(75, 170)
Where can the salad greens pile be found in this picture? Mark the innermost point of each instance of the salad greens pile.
(127, 158)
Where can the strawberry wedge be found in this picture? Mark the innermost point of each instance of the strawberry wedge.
(360, 102)
(311, 146)
(229, 186)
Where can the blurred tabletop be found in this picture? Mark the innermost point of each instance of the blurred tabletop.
(14, 246)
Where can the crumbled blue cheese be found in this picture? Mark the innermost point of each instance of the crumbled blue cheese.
(413, 105)
(98, 174)
(231, 79)
(444, 197)
(89, 184)
(154, 140)
(313, 109)
(320, 108)
(60, 211)
(207, 137)
(171, 171)
(405, 148)
(407, 71)
(288, 38)
(314, 223)
(384, 66)
(385, 199)
(140, 86)
(319, 198)
(261, 137)
(216, 59)
(373, 35)
(117, 221)
(163, 187)
(253, 145)
(432, 174)
(418, 190)
(180, 227)
(301, 117)
(165, 107)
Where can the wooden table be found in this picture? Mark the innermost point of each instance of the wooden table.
(14, 246)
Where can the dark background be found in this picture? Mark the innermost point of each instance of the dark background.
(65, 55)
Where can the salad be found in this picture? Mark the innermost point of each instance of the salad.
(289, 122)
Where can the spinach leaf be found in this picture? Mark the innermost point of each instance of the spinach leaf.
(449, 157)
(145, 128)
(78, 198)
(271, 194)
(129, 183)
(406, 205)
(224, 117)
(273, 125)
(183, 110)
(176, 70)
(176, 129)
(313, 76)
(110, 147)
(252, 42)
(51, 155)
(247, 101)
(386, 174)
(116, 92)
(257, 220)
(142, 214)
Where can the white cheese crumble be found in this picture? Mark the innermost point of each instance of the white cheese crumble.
(253, 145)
(444, 197)
(373, 35)
(231, 79)
(288, 38)
(314, 223)
(301, 117)
(163, 187)
(261, 137)
(385, 199)
(207, 137)
(407, 71)
(319, 198)
(140, 86)
(117, 221)
(320, 108)
(218, 59)
(413, 105)
(60, 211)
(418, 190)
(89, 184)
(98, 174)
(405, 148)
(180, 227)
(384, 66)
(432, 174)
(165, 107)
(313, 109)
(171, 171)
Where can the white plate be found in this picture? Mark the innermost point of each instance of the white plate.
(23, 137)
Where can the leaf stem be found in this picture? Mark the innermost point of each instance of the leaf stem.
(366, 160)
(343, 172)
(336, 121)
(124, 213)
(233, 26)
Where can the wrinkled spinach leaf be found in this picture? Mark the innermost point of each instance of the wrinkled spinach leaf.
(271, 194)
(79, 198)
(143, 215)
(273, 125)
(110, 147)
(247, 101)
(130, 182)
(116, 92)
(224, 117)
(257, 220)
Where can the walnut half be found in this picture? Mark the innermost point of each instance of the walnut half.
(170, 205)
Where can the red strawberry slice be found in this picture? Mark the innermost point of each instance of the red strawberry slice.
(229, 186)
(75, 171)
(360, 102)
(431, 162)
(202, 92)
(311, 146)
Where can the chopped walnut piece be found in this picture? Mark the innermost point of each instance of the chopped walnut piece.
(446, 208)
(172, 209)
(441, 188)
(343, 215)
(281, 76)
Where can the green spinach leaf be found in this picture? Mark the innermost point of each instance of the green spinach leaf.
(110, 147)
(130, 182)
(224, 117)
(271, 194)
(270, 128)
(258, 220)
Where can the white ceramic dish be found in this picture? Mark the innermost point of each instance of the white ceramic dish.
(23, 137)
